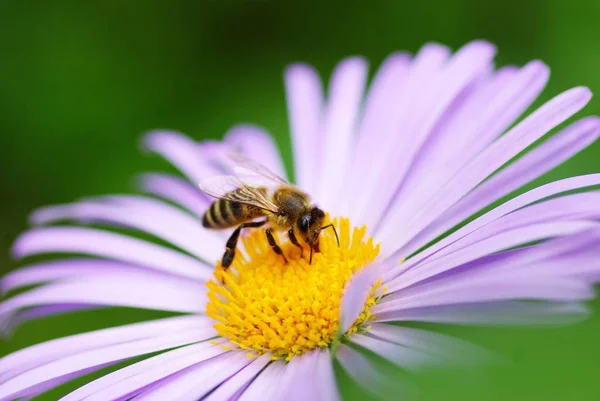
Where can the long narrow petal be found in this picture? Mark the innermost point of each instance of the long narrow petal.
(427, 64)
(130, 375)
(509, 145)
(266, 383)
(37, 312)
(42, 353)
(308, 377)
(143, 205)
(582, 206)
(128, 289)
(144, 214)
(305, 109)
(407, 358)
(505, 240)
(463, 68)
(504, 313)
(258, 145)
(558, 290)
(293, 379)
(181, 152)
(340, 125)
(469, 136)
(186, 378)
(36, 389)
(176, 190)
(434, 161)
(84, 361)
(583, 264)
(571, 257)
(520, 201)
(326, 382)
(447, 349)
(240, 380)
(540, 160)
(115, 246)
(574, 256)
(381, 106)
(511, 101)
(560, 269)
(356, 294)
(371, 379)
(59, 269)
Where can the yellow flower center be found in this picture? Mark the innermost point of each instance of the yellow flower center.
(264, 305)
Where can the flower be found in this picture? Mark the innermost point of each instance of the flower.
(410, 172)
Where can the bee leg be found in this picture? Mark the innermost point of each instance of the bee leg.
(273, 244)
(232, 242)
(294, 240)
(334, 231)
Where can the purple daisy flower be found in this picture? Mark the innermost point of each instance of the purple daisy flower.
(407, 171)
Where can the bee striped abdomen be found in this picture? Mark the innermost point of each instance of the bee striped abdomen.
(219, 215)
(225, 214)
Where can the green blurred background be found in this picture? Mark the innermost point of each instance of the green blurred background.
(81, 81)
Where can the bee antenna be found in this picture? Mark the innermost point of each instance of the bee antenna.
(334, 231)
(311, 252)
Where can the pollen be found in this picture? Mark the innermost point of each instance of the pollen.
(262, 304)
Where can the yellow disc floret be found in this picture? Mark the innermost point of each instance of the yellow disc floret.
(263, 304)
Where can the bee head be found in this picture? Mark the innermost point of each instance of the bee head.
(309, 226)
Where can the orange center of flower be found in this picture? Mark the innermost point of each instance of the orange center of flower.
(265, 305)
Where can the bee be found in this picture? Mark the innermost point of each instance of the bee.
(256, 192)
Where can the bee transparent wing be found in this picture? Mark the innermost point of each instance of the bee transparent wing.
(220, 186)
(254, 173)
(231, 188)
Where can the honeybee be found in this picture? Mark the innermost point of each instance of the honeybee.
(254, 192)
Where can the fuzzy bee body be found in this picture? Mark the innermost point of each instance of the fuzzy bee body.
(224, 214)
(283, 206)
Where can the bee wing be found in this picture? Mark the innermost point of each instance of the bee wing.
(255, 173)
(231, 188)
(220, 186)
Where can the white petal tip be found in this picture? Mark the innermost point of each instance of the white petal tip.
(300, 71)
(154, 139)
(481, 45)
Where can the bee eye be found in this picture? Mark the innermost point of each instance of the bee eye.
(304, 223)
